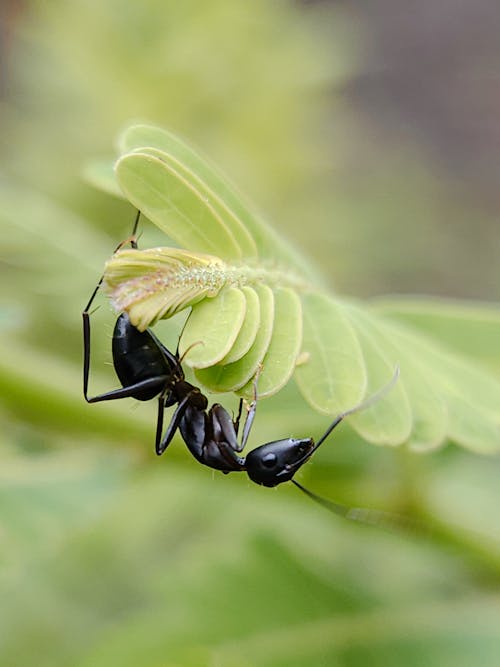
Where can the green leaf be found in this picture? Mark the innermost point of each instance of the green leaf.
(209, 179)
(389, 420)
(333, 378)
(279, 361)
(470, 426)
(231, 377)
(210, 199)
(212, 328)
(249, 328)
(215, 186)
(428, 406)
(467, 327)
(181, 210)
(470, 394)
(159, 282)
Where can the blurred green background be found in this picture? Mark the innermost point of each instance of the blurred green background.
(369, 136)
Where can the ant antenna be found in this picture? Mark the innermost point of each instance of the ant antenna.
(371, 400)
(86, 314)
(369, 517)
(189, 348)
(179, 339)
(363, 515)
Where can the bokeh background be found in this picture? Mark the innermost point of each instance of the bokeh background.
(370, 135)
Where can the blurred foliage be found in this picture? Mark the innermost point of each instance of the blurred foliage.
(111, 557)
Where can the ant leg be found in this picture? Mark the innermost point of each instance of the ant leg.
(133, 236)
(86, 347)
(251, 411)
(223, 427)
(129, 391)
(159, 422)
(230, 456)
(162, 443)
(236, 422)
(224, 439)
(86, 315)
(248, 424)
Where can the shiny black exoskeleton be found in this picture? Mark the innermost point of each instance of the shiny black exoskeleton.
(143, 365)
(145, 368)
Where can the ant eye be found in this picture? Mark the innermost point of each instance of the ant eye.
(269, 460)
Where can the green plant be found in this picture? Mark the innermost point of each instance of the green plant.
(255, 301)
(111, 556)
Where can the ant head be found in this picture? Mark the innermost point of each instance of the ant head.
(277, 461)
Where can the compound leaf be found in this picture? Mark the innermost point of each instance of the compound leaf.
(258, 308)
